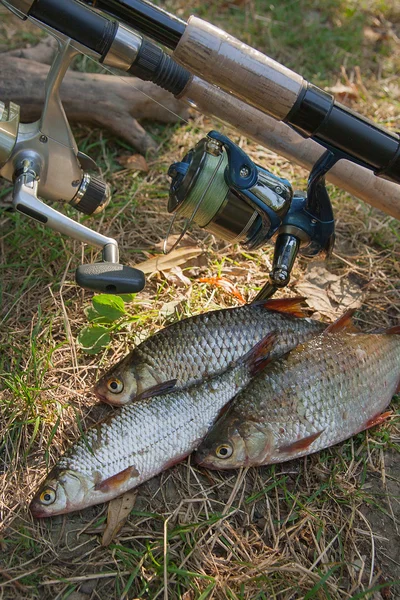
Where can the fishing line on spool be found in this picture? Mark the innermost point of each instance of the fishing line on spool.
(192, 201)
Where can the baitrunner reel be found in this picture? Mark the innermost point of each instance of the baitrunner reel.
(219, 188)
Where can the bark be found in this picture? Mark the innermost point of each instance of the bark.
(113, 102)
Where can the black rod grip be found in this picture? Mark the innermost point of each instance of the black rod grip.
(317, 115)
(73, 19)
(145, 18)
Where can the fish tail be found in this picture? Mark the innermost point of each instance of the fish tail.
(259, 356)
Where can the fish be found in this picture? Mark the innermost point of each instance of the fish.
(203, 346)
(323, 392)
(141, 440)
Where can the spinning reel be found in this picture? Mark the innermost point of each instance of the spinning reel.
(42, 159)
(220, 189)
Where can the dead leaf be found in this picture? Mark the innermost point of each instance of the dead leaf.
(176, 276)
(169, 308)
(165, 262)
(328, 294)
(341, 91)
(135, 162)
(118, 511)
(346, 293)
(225, 284)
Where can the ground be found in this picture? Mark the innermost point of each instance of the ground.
(326, 526)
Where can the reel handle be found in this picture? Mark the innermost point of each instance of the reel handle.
(110, 278)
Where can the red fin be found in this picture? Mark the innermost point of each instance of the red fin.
(117, 480)
(393, 330)
(302, 444)
(378, 419)
(156, 390)
(343, 323)
(258, 357)
(291, 306)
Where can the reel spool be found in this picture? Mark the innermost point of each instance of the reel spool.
(220, 189)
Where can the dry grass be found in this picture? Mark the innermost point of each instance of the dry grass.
(326, 526)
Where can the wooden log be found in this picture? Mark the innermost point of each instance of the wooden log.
(113, 102)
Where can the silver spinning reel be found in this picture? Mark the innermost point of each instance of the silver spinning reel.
(43, 162)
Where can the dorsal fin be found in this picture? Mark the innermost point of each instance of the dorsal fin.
(393, 330)
(290, 306)
(343, 323)
(258, 357)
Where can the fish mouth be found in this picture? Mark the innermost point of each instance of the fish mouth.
(37, 510)
(105, 399)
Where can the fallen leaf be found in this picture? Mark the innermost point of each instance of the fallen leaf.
(346, 293)
(328, 294)
(225, 284)
(169, 308)
(341, 91)
(135, 162)
(118, 511)
(176, 276)
(165, 262)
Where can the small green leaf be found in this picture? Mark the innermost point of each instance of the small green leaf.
(109, 306)
(93, 338)
(127, 297)
(93, 316)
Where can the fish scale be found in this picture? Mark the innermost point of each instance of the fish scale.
(323, 392)
(203, 346)
(141, 440)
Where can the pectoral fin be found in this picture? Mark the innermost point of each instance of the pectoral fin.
(160, 388)
(300, 445)
(258, 357)
(116, 481)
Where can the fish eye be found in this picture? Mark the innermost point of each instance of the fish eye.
(115, 385)
(48, 496)
(224, 451)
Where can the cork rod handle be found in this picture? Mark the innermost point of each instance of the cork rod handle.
(232, 65)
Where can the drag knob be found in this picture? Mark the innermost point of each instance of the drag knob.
(92, 196)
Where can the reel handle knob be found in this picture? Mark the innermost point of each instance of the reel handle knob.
(110, 278)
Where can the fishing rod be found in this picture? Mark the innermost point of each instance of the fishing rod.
(216, 185)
